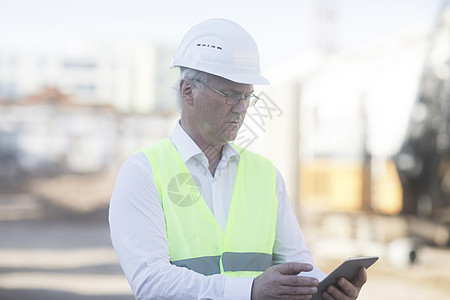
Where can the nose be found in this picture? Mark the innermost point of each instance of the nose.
(240, 107)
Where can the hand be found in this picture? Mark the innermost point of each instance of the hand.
(282, 282)
(351, 290)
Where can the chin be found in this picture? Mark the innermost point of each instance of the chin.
(227, 137)
(231, 135)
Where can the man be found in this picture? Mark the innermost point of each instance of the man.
(196, 217)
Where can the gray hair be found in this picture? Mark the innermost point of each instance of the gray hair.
(193, 76)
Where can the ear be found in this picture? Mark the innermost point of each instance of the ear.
(187, 92)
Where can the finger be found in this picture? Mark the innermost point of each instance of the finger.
(293, 268)
(348, 288)
(297, 290)
(294, 280)
(361, 279)
(300, 297)
(335, 293)
(327, 296)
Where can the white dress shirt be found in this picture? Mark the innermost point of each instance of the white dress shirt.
(138, 229)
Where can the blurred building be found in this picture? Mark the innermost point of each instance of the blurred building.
(344, 116)
(81, 111)
(50, 134)
(133, 78)
(47, 134)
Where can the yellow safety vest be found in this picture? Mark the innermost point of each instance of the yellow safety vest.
(195, 239)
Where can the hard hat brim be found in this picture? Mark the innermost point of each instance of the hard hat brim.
(238, 77)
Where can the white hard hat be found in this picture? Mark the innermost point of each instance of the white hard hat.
(223, 48)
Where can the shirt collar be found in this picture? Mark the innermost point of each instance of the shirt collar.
(187, 148)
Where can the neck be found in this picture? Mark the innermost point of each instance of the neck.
(214, 155)
(212, 151)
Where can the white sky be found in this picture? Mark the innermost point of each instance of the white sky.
(281, 28)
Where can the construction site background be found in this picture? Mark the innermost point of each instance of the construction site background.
(362, 138)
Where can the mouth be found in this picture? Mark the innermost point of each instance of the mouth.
(233, 124)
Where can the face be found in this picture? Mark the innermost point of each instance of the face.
(216, 122)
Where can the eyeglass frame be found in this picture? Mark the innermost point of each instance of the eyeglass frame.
(227, 96)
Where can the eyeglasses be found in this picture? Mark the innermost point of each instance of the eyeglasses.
(233, 99)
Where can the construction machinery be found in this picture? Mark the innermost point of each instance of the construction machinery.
(423, 163)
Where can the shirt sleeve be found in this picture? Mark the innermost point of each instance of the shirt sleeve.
(290, 244)
(139, 237)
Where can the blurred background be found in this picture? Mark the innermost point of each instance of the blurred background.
(357, 119)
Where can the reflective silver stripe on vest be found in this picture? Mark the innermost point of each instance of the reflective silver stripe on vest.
(249, 261)
(206, 265)
(232, 262)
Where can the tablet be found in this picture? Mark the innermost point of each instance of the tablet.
(348, 269)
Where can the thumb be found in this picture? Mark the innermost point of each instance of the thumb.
(293, 268)
(361, 278)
